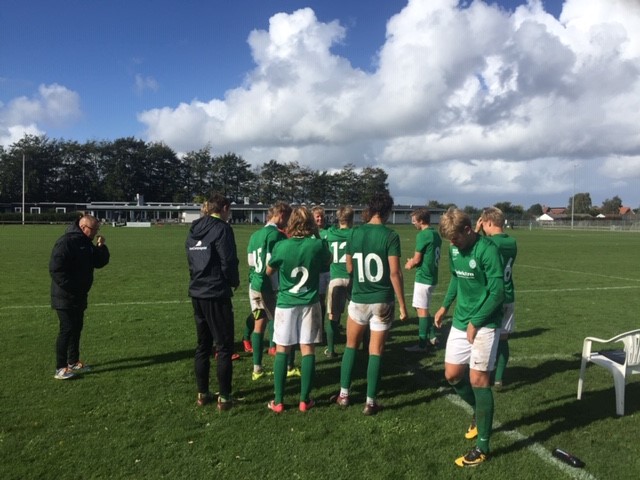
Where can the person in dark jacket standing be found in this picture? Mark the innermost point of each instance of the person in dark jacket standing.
(213, 269)
(73, 259)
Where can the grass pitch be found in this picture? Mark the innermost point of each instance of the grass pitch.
(134, 415)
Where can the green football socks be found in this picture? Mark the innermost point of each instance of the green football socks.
(331, 330)
(256, 343)
(279, 376)
(308, 371)
(423, 329)
(431, 328)
(465, 391)
(373, 375)
(484, 416)
(502, 358)
(348, 359)
(269, 334)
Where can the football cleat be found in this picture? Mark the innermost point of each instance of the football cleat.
(276, 408)
(306, 406)
(257, 375)
(340, 399)
(329, 354)
(372, 408)
(294, 372)
(473, 458)
(472, 431)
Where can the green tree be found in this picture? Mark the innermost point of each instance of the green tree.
(198, 166)
(124, 163)
(230, 173)
(612, 205)
(346, 185)
(472, 211)
(535, 210)
(79, 178)
(271, 182)
(582, 203)
(510, 210)
(165, 174)
(372, 180)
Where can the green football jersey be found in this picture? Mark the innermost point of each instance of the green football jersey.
(338, 238)
(508, 251)
(259, 250)
(299, 262)
(428, 243)
(472, 271)
(369, 247)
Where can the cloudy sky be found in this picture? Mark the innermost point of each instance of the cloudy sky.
(471, 102)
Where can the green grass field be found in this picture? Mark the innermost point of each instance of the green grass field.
(134, 415)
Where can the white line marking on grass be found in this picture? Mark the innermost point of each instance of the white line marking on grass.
(537, 267)
(578, 289)
(535, 447)
(553, 290)
(110, 304)
(543, 356)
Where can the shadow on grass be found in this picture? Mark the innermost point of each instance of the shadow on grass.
(571, 415)
(141, 361)
(532, 332)
(518, 376)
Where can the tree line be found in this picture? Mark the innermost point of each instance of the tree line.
(69, 171)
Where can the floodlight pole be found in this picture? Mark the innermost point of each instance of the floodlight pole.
(573, 196)
(23, 188)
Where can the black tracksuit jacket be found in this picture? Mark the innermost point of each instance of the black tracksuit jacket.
(213, 258)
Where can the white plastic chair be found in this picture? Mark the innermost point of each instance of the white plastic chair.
(619, 362)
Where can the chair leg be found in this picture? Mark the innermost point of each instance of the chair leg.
(583, 367)
(619, 382)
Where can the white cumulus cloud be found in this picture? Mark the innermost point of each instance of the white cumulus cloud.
(53, 105)
(472, 100)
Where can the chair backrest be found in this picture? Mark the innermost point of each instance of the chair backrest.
(631, 342)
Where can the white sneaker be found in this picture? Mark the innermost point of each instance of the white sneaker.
(64, 374)
(416, 349)
(79, 367)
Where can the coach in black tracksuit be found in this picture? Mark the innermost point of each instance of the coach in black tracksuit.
(213, 268)
(73, 259)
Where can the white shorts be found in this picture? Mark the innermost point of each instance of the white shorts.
(263, 301)
(300, 324)
(337, 296)
(377, 315)
(325, 278)
(422, 295)
(481, 355)
(509, 318)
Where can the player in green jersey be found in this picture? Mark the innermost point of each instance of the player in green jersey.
(262, 289)
(373, 258)
(321, 223)
(340, 282)
(298, 261)
(491, 222)
(477, 287)
(425, 259)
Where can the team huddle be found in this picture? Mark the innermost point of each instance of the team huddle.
(301, 272)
